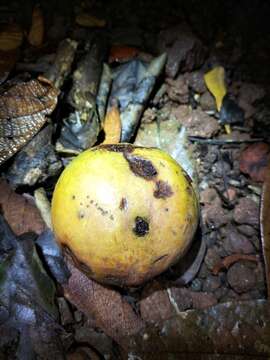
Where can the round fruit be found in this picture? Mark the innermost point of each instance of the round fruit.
(124, 213)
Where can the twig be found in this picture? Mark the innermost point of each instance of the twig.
(200, 140)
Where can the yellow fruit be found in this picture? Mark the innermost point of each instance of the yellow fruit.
(125, 213)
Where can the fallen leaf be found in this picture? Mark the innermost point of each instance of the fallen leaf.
(11, 37)
(23, 108)
(112, 126)
(265, 226)
(27, 298)
(21, 215)
(87, 20)
(36, 32)
(111, 312)
(231, 259)
(215, 82)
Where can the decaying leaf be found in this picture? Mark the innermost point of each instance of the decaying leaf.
(36, 33)
(11, 37)
(88, 20)
(27, 298)
(21, 215)
(215, 81)
(265, 226)
(112, 126)
(231, 259)
(22, 113)
(111, 312)
(132, 85)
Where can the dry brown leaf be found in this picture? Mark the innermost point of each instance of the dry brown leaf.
(106, 306)
(23, 108)
(112, 126)
(36, 32)
(11, 37)
(21, 215)
(265, 226)
(231, 259)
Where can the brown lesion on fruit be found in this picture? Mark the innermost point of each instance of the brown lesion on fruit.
(141, 167)
(141, 226)
(163, 190)
(123, 204)
(81, 214)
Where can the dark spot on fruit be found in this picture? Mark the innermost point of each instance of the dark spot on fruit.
(160, 258)
(111, 217)
(161, 164)
(127, 148)
(188, 178)
(91, 201)
(73, 197)
(87, 206)
(163, 190)
(81, 214)
(166, 209)
(141, 167)
(87, 196)
(141, 227)
(123, 204)
(81, 203)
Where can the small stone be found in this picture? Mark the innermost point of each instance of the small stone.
(207, 102)
(155, 305)
(209, 196)
(177, 89)
(221, 168)
(65, 313)
(203, 272)
(254, 160)
(196, 285)
(221, 292)
(211, 258)
(196, 81)
(230, 194)
(251, 92)
(211, 283)
(182, 298)
(234, 242)
(96, 339)
(247, 230)
(247, 212)
(241, 277)
(197, 122)
(78, 316)
(149, 116)
(214, 216)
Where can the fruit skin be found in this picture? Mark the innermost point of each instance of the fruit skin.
(125, 213)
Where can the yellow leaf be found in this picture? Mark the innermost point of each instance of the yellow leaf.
(112, 126)
(215, 81)
(36, 33)
(11, 37)
(89, 21)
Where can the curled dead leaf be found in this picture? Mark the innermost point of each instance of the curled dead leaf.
(36, 32)
(112, 126)
(21, 215)
(23, 108)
